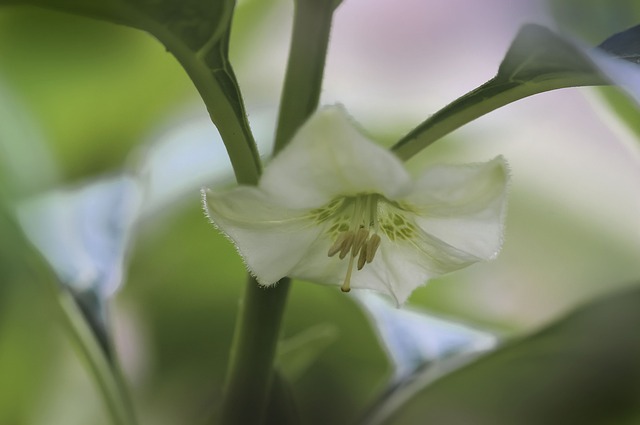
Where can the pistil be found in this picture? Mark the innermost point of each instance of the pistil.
(346, 285)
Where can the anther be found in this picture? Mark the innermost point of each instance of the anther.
(347, 244)
(362, 258)
(337, 245)
(372, 247)
(361, 236)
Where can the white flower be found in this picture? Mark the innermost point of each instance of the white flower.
(334, 207)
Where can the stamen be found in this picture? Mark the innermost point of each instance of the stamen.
(347, 244)
(361, 241)
(337, 245)
(362, 258)
(372, 247)
(361, 236)
(347, 279)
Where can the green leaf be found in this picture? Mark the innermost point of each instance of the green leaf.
(282, 408)
(197, 34)
(537, 61)
(583, 369)
(596, 20)
(296, 354)
(538, 54)
(23, 149)
(20, 265)
(415, 341)
(625, 44)
(84, 234)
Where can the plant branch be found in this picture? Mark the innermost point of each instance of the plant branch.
(260, 315)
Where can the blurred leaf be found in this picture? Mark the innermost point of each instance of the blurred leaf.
(624, 45)
(413, 339)
(186, 157)
(583, 369)
(84, 232)
(197, 33)
(105, 86)
(84, 235)
(25, 164)
(296, 354)
(538, 60)
(625, 108)
(538, 54)
(27, 348)
(282, 408)
(414, 342)
(594, 22)
(625, 73)
(197, 23)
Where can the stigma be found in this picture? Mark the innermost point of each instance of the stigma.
(360, 241)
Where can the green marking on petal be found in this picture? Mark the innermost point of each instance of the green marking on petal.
(363, 215)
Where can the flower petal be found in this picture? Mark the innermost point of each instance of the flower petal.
(84, 233)
(271, 239)
(464, 205)
(400, 267)
(328, 157)
(318, 267)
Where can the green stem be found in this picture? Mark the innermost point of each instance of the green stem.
(303, 80)
(490, 96)
(253, 353)
(110, 385)
(260, 314)
(227, 113)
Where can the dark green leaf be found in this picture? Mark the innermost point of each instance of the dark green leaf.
(583, 369)
(198, 24)
(625, 44)
(537, 61)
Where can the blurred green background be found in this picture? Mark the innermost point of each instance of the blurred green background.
(79, 97)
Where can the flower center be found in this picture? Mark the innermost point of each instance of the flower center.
(356, 223)
(359, 239)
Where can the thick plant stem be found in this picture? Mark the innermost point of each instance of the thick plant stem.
(303, 81)
(258, 327)
(230, 122)
(253, 353)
